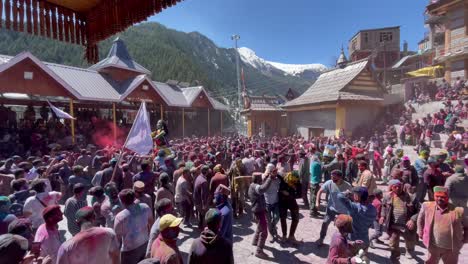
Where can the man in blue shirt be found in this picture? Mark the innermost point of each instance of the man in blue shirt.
(361, 211)
(222, 204)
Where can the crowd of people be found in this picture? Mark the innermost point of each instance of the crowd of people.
(124, 208)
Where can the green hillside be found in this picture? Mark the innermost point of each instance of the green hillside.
(168, 54)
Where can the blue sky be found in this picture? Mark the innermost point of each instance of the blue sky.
(296, 31)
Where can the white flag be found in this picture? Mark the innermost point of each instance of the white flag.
(139, 138)
(60, 113)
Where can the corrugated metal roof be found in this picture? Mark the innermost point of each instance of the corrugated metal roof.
(88, 83)
(119, 57)
(173, 95)
(191, 93)
(218, 105)
(329, 84)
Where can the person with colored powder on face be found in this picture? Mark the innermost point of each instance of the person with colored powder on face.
(163, 207)
(341, 250)
(443, 228)
(92, 245)
(165, 248)
(48, 233)
(399, 219)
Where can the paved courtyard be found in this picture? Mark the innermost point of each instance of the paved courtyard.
(307, 252)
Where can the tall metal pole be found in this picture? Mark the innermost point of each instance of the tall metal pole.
(239, 89)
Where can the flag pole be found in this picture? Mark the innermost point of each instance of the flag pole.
(125, 144)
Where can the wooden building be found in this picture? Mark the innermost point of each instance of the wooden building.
(265, 116)
(116, 83)
(382, 43)
(347, 97)
(82, 22)
(448, 36)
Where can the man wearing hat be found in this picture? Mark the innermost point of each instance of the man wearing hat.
(201, 196)
(433, 177)
(165, 248)
(48, 233)
(457, 186)
(399, 219)
(217, 179)
(409, 173)
(420, 165)
(442, 227)
(147, 176)
(72, 205)
(162, 208)
(221, 201)
(140, 195)
(362, 212)
(211, 247)
(92, 245)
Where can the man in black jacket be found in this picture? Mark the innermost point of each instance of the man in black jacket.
(289, 190)
(211, 247)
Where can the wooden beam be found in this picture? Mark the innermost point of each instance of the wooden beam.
(114, 118)
(209, 127)
(162, 113)
(72, 113)
(183, 122)
(310, 107)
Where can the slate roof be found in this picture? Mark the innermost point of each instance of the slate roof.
(329, 85)
(264, 103)
(120, 58)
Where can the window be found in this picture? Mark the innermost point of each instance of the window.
(354, 44)
(386, 36)
(366, 37)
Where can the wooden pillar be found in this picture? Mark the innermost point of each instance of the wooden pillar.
(72, 113)
(209, 122)
(162, 114)
(221, 123)
(183, 122)
(114, 119)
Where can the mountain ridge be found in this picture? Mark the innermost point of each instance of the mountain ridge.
(169, 55)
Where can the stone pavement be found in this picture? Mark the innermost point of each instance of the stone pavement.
(308, 252)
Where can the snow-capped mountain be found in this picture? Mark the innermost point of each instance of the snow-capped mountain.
(306, 71)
